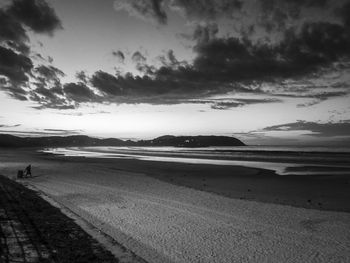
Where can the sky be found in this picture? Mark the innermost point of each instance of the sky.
(264, 71)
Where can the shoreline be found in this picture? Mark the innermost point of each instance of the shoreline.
(322, 192)
(297, 163)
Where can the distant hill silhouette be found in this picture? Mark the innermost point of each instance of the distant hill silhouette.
(8, 141)
(192, 141)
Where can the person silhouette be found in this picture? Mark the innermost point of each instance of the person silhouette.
(28, 171)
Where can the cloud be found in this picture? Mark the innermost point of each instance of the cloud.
(317, 45)
(206, 9)
(146, 9)
(53, 98)
(14, 66)
(62, 131)
(137, 57)
(329, 129)
(107, 83)
(228, 103)
(276, 15)
(302, 45)
(225, 105)
(43, 132)
(49, 73)
(9, 126)
(140, 62)
(309, 93)
(199, 10)
(12, 32)
(48, 92)
(79, 92)
(270, 14)
(17, 71)
(203, 33)
(169, 60)
(164, 88)
(344, 13)
(82, 76)
(36, 14)
(235, 62)
(119, 55)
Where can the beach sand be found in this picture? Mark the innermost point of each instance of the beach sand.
(146, 207)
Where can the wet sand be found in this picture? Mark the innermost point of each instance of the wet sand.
(322, 192)
(166, 222)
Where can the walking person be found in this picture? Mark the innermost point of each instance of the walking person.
(28, 171)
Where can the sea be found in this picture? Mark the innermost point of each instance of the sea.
(281, 159)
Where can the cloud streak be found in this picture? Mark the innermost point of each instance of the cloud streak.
(152, 10)
(329, 129)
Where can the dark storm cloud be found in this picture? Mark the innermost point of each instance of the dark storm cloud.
(147, 9)
(50, 98)
(14, 66)
(234, 64)
(137, 57)
(12, 33)
(205, 33)
(56, 106)
(49, 73)
(137, 89)
(81, 76)
(304, 47)
(47, 93)
(140, 63)
(276, 15)
(273, 14)
(321, 96)
(36, 14)
(318, 129)
(169, 60)
(49, 89)
(154, 10)
(207, 9)
(107, 83)
(222, 63)
(164, 88)
(341, 85)
(316, 45)
(119, 55)
(225, 105)
(344, 13)
(16, 92)
(68, 96)
(79, 92)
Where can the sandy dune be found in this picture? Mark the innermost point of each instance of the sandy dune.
(162, 222)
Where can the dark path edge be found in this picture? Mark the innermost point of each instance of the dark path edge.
(60, 231)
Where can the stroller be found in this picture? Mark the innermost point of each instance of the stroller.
(26, 173)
